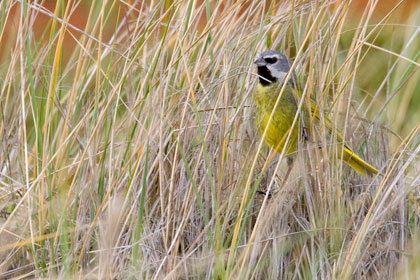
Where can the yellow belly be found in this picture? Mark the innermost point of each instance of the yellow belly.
(282, 120)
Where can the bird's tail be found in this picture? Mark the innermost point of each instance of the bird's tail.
(357, 163)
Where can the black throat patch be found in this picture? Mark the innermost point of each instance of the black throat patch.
(265, 76)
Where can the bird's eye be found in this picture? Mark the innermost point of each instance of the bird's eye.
(271, 60)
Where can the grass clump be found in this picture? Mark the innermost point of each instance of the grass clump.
(128, 148)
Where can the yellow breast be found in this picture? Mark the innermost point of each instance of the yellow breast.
(282, 116)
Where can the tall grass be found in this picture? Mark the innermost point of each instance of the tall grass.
(128, 147)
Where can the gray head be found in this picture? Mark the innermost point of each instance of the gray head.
(274, 67)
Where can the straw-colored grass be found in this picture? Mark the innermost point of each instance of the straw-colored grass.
(128, 148)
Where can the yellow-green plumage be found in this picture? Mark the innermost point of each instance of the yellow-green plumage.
(280, 125)
(282, 120)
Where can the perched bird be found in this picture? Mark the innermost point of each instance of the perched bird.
(273, 68)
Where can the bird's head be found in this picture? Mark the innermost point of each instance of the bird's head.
(274, 67)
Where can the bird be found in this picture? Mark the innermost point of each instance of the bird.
(273, 68)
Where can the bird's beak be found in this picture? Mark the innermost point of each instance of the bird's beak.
(260, 62)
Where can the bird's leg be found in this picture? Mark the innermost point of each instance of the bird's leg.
(264, 193)
(289, 169)
(305, 135)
